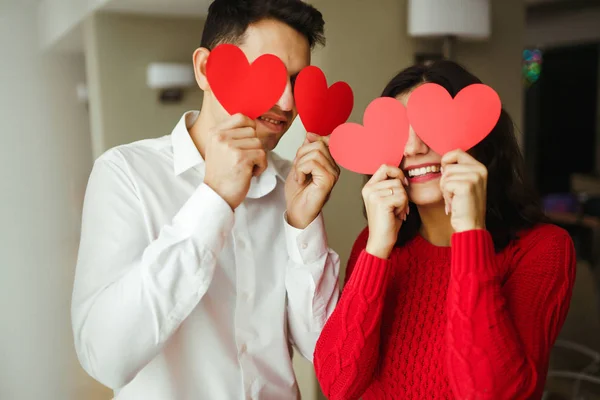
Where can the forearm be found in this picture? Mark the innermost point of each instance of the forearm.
(130, 296)
(486, 358)
(348, 350)
(312, 284)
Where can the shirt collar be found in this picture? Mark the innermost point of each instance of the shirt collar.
(187, 156)
(185, 153)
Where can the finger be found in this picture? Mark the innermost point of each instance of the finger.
(458, 156)
(258, 159)
(314, 168)
(457, 187)
(458, 169)
(312, 137)
(320, 158)
(394, 184)
(247, 143)
(238, 133)
(398, 203)
(384, 172)
(447, 200)
(312, 147)
(451, 169)
(235, 121)
(470, 177)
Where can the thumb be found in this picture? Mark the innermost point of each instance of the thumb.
(311, 137)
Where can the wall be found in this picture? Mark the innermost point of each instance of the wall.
(119, 48)
(45, 158)
(573, 27)
(497, 62)
(366, 45)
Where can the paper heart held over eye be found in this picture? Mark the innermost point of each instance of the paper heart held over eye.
(363, 149)
(321, 108)
(251, 89)
(445, 123)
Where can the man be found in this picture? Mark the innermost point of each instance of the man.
(203, 256)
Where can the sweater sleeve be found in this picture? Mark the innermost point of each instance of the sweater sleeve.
(501, 328)
(347, 351)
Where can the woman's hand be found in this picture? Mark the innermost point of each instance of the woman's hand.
(464, 186)
(386, 203)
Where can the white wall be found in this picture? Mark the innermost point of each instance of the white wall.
(45, 158)
(119, 48)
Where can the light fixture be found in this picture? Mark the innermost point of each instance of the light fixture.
(171, 79)
(450, 20)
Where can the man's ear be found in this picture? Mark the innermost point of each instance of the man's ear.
(200, 57)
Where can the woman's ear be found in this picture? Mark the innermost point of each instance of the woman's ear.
(200, 57)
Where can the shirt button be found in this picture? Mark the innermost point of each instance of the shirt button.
(304, 246)
(243, 348)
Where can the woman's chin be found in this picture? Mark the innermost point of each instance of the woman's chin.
(426, 198)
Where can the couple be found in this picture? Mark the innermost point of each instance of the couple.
(204, 259)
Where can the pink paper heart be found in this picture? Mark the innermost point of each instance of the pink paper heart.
(363, 149)
(446, 124)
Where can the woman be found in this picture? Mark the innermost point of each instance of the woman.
(457, 288)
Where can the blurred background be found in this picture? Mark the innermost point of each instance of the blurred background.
(78, 77)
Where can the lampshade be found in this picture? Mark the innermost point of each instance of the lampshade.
(469, 19)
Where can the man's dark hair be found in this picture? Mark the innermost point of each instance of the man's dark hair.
(228, 20)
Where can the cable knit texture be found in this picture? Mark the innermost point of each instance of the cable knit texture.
(459, 322)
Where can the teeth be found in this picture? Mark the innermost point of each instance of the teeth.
(424, 170)
(271, 120)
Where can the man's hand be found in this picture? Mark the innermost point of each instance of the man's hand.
(310, 181)
(233, 155)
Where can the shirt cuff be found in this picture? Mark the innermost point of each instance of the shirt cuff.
(206, 217)
(308, 245)
(473, 252)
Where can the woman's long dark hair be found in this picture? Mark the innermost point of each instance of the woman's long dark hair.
(512, 204)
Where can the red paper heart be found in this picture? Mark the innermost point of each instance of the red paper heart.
(446, 124)
(321, 109)
(381, 140)
(241, 87)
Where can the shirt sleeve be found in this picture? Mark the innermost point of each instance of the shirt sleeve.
(501, 328)
(132, 291)
(347, 353)
(311, 282)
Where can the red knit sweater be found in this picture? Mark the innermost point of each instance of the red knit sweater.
(448, 322)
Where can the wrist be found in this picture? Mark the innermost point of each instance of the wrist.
(468, 227)
(378, 250)
(299, 222)
(227, 199)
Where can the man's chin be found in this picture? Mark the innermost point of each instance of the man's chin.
(269, 141)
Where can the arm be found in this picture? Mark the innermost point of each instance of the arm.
(312, 284)
(131, 292)
(347, 353)
(500, 333)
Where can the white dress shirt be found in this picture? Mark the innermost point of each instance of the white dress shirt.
(177, 297)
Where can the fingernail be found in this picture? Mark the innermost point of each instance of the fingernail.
(405, 217)
(442, 170)
(446, 208)
(407, 210)
(406, 181)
